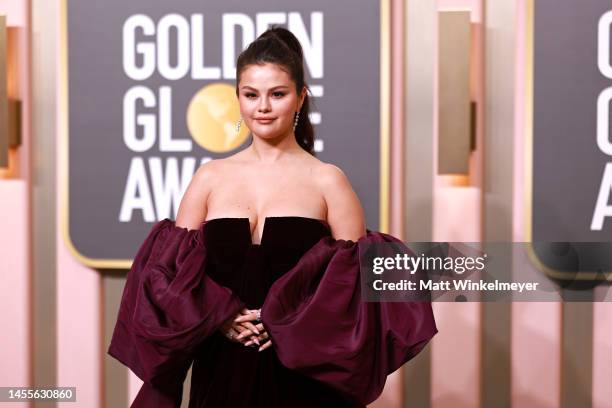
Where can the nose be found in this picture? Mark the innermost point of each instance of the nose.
(264, 104)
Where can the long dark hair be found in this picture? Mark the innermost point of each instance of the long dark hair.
(277, 45)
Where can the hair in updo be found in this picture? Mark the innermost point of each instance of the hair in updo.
(277, 45)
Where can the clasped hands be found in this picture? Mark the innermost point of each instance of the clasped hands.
(246, 329)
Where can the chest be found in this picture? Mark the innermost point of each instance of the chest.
(258, 194)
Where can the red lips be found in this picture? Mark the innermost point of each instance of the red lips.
(264, 121)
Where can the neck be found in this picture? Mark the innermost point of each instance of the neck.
(272, 150)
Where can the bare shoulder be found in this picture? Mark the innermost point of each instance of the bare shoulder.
(344, 211)
(206, 173)
(192, 210)
(330, 175)
(332, 179)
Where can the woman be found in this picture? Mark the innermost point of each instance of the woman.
(257, 281)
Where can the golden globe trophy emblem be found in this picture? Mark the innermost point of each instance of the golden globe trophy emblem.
(211, 118)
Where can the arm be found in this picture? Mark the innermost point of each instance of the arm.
(344, 211)
(168, 307)
(192, 210)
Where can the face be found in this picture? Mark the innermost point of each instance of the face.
(268, 100)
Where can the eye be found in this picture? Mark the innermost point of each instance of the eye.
(278, 94)
(250, 95)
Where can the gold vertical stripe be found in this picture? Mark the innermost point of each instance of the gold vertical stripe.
(385, 109)
(397, 125)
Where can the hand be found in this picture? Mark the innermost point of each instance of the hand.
(261, 336)
(234, 329)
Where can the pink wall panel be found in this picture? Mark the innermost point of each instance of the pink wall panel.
(15, 295)
(602, 352)
(15, 239)
(456, 353)
(16, 12)
(80, 348)
(457, 216)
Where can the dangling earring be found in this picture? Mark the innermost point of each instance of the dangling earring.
(238, 125)
(295, 121)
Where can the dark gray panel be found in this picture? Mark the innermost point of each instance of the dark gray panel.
(568, 166)
(99, 160)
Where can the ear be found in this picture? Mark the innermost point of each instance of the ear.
(302, 96)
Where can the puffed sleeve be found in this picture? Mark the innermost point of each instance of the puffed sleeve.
(169, 306)
(321, 326)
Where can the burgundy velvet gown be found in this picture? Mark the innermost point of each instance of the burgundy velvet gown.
(329, 347)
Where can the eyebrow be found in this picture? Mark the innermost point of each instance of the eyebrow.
(273, 88)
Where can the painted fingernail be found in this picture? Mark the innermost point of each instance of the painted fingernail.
(248, 343)
(256, 342)
(260, 348)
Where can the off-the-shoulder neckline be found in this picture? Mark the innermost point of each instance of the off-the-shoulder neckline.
(322, 222)
(266, 219)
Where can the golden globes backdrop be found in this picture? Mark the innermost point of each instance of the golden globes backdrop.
(151, 97)
(572, 147)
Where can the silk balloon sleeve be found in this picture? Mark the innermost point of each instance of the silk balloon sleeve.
(169, 306)
(321, 327)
